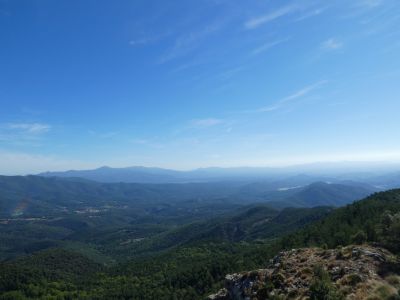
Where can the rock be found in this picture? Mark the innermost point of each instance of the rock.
(375, 255)
(221, 295)
(291, 273)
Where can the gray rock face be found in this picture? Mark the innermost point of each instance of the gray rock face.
(353, 270)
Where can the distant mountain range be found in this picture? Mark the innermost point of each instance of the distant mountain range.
(159, 175)
(130, 174)
(382, 178)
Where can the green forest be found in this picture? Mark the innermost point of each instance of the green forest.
(196, 266)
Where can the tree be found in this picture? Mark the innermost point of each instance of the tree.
(359, 238)
(390, 231)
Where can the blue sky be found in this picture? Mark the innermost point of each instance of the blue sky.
(185, 84)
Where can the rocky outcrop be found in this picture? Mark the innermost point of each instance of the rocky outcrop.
(355, 272)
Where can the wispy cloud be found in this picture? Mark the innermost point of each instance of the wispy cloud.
(370, 3)
(268, 46)
(205, 123)
(371, 9)
(269, 17)
(332, 44)
(312, 13)
(22, 134)
(148, 39)
(299, 94)
(186, 43)
(227, 74)
(188, 65)
(32, 128)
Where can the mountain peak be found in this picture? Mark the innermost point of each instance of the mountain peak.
(104, 168)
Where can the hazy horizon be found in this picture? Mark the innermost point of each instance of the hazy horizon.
(311, 167)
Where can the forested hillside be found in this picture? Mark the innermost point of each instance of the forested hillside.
(375, 219)
(193, 269)
(117, 221)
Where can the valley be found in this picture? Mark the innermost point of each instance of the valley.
(163, 241)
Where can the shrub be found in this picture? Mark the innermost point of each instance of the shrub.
(393, 280)
(353, 279)
(322, 288)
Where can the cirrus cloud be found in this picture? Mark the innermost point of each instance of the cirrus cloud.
(269, 17)
(332, 44)
(33, 128)
(204, 123)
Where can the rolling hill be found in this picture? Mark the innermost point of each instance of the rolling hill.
(40, 196)
(333, 194)
(196, 266)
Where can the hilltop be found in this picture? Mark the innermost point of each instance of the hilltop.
(352, 272)
(344, 271)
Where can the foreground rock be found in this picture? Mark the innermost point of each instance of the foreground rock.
(353, 272)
